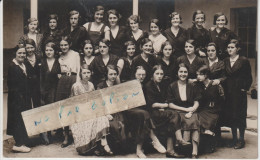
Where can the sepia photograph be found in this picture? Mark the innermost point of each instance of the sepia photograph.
(129, 79)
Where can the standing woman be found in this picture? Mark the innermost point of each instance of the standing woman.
(165, 120)
(168, 63)
(18, 100)
(125, 63)
(50, 69)
(191, 60)
(238, 82)
(70, 65)
(156, 36)
(117, 33)
(183, 97)
(198, 32)
(145, 59)
(32, 32)
(53, 33)
(220, 35)
(97, 30)
(176, 35)
(87, 134)
(136, 34)
(100, 63)
(87, 55)
(33, 64)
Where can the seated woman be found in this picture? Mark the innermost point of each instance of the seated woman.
(165, 120)
(139, 122)
(183, 97)
(87, 134)
(210, 104)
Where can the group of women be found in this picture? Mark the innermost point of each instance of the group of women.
(182, 72)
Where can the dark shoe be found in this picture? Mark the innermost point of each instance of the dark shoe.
(231, 144)
(98, 152)
(172, 154)
(194, 156)
(240, 144)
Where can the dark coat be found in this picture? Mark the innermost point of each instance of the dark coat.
(222, 39)
(48, 37)
(130, 37)
(126, 70)
(18, 99)
(217, 70)
(49, 81)
(193, 67)
(238, 77)
(177, 42)
(118, 43)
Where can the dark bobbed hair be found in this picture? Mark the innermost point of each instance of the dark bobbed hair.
(182, 65)
(214, 45)
(157, 22)
(106, 41)
(126, 44)
(204, 70)
(194, 43)
(137, 68)
(165, 44)
(236, 42)
(218, 15)
(175, 14)
(67, 39)
(198, 12)
(114, 12)
(156, 67)
(83, 46)
(31, 42)
(98, 8)
(84, 66)
(112, 67)
(53, 46)
(53, 16)
(144, 41)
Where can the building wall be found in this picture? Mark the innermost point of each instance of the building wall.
(209, 7)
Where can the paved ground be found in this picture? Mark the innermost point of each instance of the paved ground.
(55, 151)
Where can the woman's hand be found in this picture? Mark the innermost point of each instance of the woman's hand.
(192, 80)
(188, 115)
(109, 117)
(59, 75)
(190, 109)
(216, 82)
(202, 54)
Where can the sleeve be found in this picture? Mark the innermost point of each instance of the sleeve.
(197, 92)
(106, 29)
(247, 76)
(150, 95)
(171, 98)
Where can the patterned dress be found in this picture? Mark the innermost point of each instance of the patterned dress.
(87, 133)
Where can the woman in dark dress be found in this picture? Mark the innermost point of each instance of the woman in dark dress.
(184, 98)
(198, 32)
(210, 105)
(125, 63)
(136, 34)
(176, 35)
(33, 63)
(18, 100)
(165, 120)
(32, 32)
(168, 63)
(220, 35)
(145, 59)
(100, 62)
(191, 60)
(53, 34)
(117, 33)
(139, 122)
(238, 82)
(97, 30)
(70, 66)
(87, 55)
(50, 71)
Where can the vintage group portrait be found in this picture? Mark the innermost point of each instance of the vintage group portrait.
(130, 79)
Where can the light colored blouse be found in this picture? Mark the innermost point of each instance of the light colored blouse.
(182, 92)
(157, 42)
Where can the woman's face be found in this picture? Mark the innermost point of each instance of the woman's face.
(201, 77)
(99, 16)
(53, 24)
(134, 25)
(64, 46)
(30, 49)
(113, 19)
(111, 76)
(103, 48)
(189, 48)
(211, 51)
(167, 51)
(147, 47)
(221, 21)
(74, 20)
(49, 51)
(175, 21)
(232, 49)
(183, 73)
(140, 75)
(130, 50)
(33, 26)
(199, 20)
(86, 74)
(158, 75)
(154, 29)
(20, 55)
(88, 50)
